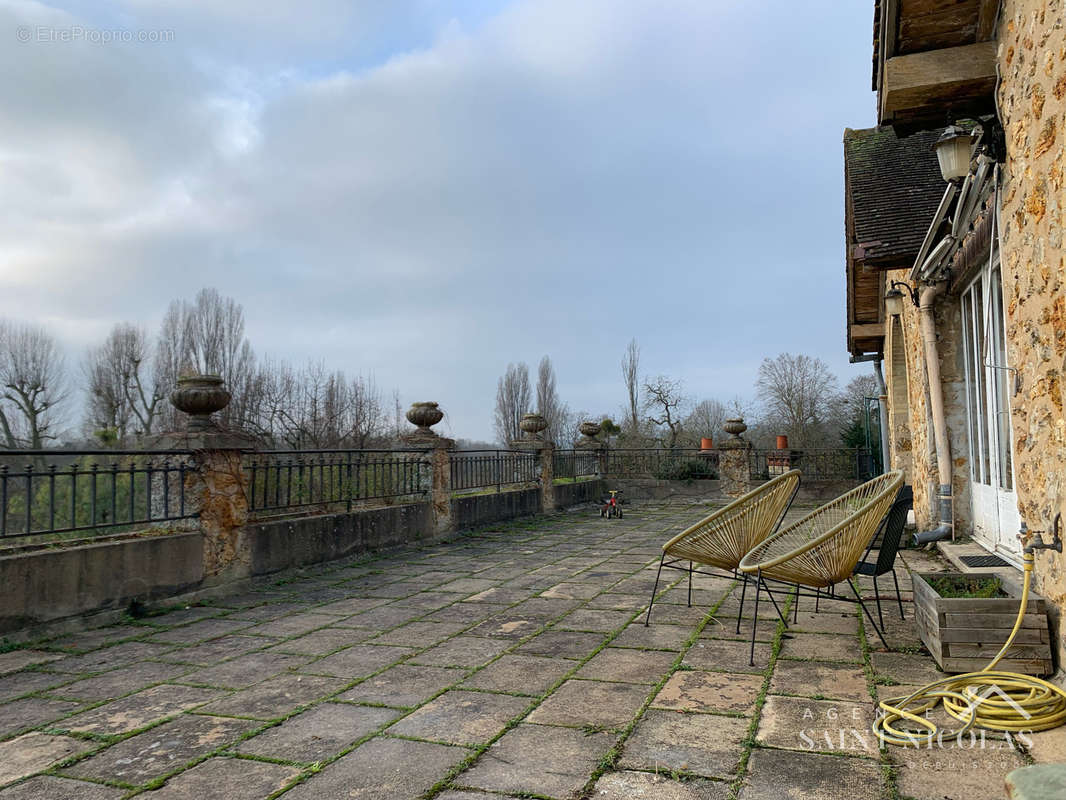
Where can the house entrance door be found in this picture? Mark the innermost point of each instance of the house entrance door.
(994, 501)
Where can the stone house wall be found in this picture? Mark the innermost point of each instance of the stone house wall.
(1032, 103)
(911, 429)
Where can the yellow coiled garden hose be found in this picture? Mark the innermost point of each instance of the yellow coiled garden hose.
(990, 699)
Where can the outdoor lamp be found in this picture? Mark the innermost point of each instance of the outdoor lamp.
(894, 298)
(953, 151)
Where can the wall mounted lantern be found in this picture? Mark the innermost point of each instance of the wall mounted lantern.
(894, 298)
(953, 150)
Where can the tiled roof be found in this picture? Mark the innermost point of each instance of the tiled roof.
(893, 187)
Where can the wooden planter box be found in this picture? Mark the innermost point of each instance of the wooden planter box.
(965, 633)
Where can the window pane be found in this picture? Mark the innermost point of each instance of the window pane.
(1000, 375)
(980, 356)
(971, 390)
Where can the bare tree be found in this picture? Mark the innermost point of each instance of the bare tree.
(513, 399)
(630, 369)
(32, 384)
(797, 391)
(549, 406)
(123, 388)
(705, 419)
(313, 407)
(207, 336)
(662, 395)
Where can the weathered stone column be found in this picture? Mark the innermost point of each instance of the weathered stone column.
(438, 449)
(734, 460)
(532, 441)
(216, 487)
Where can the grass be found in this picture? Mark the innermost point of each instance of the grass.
(967, 586)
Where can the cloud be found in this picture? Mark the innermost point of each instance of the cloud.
(452, 192)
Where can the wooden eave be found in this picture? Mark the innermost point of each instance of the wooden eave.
(933, 60)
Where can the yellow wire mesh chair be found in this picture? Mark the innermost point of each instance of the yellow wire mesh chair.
(823, 548)
(722, 539)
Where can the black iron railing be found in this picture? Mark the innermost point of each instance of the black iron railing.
(60, 491)
(815, 464)
(479, 469)
(280, 481)
(576, 464)
(666, 464)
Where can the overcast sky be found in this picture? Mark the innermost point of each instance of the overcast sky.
(424, 191)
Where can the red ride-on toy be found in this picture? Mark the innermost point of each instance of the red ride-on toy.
(611, 506)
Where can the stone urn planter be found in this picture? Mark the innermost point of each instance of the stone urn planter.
(532, 424)
(965, 633)
(734, 427)
(424, 415)
(589, 429)
(200, 396)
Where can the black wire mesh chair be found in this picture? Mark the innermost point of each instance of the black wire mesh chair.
(887, 540)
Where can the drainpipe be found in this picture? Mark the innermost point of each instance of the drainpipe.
(882, 407)
(927, 300)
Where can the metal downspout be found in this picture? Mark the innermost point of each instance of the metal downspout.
(882, 406)
(927, 300)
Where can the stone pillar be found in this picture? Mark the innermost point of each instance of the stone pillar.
(532, 441)
(438, 449)
(592, 447)
(217, 486)
(734, 460)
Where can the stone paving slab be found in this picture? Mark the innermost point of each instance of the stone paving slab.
(592, 704)
(246, 670)
(833, 726)
(461, 717)
(35, 752)
(552, 762)
(520, 674)
(17, 684)
(809, 776)
(820, 679)
(140, 709)
(627, 666)
(215, 650)
(275, 697)
(50, 787)
(704, 744)
(109, 657)
(628, 785)
(32, 712)
(699, 690)
(822, 647)
(381, 769)
(161, 750)
(120, 682)
(404, 685)
(463, 651)
(562, 644)
(230, 778)
(319, 733)
(358, 661)
(954, 773)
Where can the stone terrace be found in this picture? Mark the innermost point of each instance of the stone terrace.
(510, 662)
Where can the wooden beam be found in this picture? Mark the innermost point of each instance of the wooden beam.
(932, 82)
(869, 330)
(986, 20)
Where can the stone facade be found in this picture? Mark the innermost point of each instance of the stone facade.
(1032, 102)
(1032, 105)
(910, 421)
